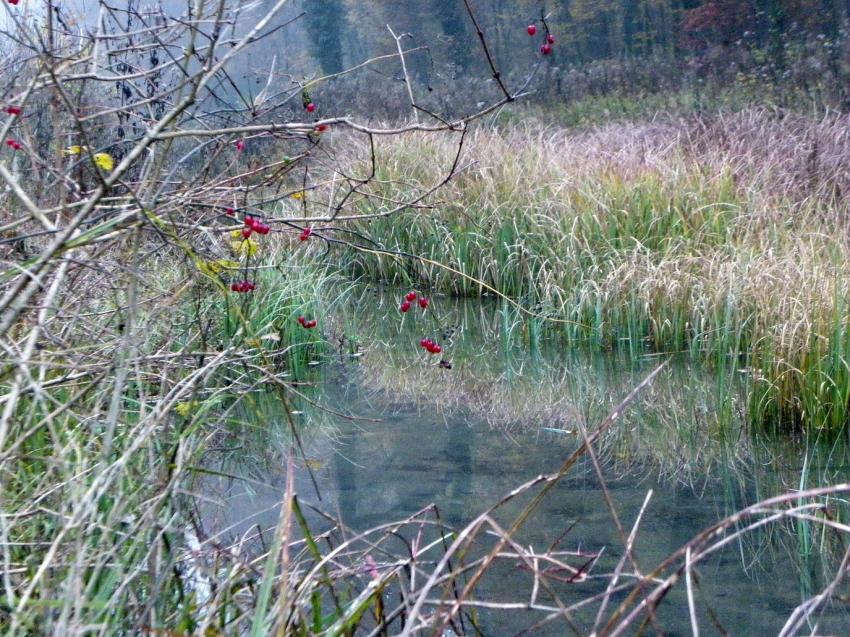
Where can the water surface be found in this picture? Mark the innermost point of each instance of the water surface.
(506, 412)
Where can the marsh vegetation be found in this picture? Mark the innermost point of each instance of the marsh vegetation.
(274, 365)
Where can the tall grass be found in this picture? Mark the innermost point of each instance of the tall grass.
(722, 236)
(268, 317)
(96, 474)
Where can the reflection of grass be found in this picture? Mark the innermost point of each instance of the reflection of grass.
(689, 423)
(494, 378)
(717, 237)
(347, 569)
(255, 434)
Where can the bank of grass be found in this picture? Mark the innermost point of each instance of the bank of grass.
(724, 237)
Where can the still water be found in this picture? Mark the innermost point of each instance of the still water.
(406, 433)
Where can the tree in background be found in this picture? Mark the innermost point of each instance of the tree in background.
(714, 23)
(327, 22)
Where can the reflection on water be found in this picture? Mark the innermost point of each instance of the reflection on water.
(502, 415)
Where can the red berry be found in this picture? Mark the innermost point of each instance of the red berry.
(13, 1)
(263, 229)
(546, 49)
(305, 234)
(410, 296)
(405, 306)
(13, 110)
(240, 145)
(424, 342)
(11, 143)
(550, 39)
(310, 107)
(234, 287)
(436, 349)
(229, 212)
(532, 29)
(423, 302)
(256, 224)
(311, 324)
(321, 128)
(246, 232)
(249, 221)
(302, 320)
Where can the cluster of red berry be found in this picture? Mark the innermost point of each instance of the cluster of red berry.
(13, 110)
(430, 345)
(308, 325)
(409, 298)
(549, 40)
(405, 306)
(243, 286)
(253, 224)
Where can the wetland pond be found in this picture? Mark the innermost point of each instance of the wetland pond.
(405, 433)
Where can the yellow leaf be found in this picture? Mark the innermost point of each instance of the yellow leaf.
(214, 268)
(75, 150)
(297, 195)
(207, 267)
(104, 161)
(245, 247)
